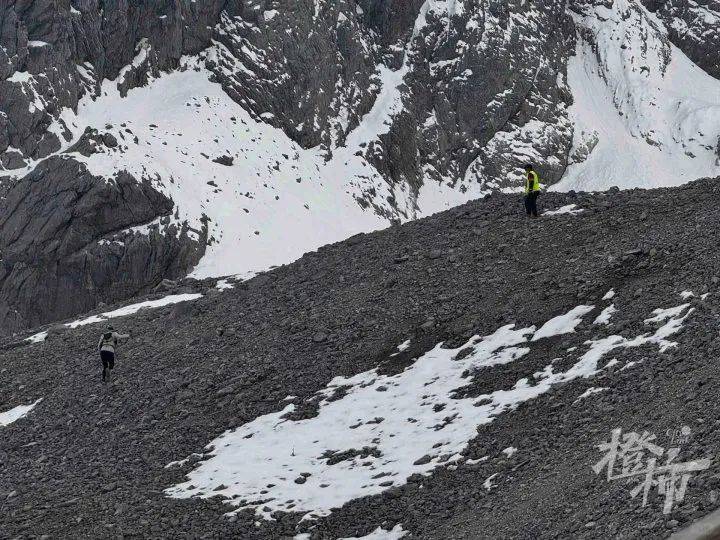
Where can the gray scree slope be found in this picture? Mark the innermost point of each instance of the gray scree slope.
(89, 461)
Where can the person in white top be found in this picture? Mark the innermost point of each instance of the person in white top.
(106, 346)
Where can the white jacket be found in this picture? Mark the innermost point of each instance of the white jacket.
(109, 343)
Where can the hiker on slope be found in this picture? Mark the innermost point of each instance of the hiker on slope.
(532, 190)
(106, 346)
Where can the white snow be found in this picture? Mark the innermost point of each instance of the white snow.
(644, 119)
(396, 533)
(648, 121)
(631, 364)
(134, 308)
(563, 324)
(686, 294)
(13, 415)
(589, 392)
(571, 209)
(224, 284)
(402, 347)
(661, 315)
(611, 363)
(20, 77)
(276, 202)
(182, 462)
(395, 416)
(143, 49)
(38, 338)
(488, 481)
(609, 295)
(605, 315)
(510, 451)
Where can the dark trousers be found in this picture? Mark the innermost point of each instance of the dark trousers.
(108, 361)
(531, 203)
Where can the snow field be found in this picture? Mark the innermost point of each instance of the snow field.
(385, 428)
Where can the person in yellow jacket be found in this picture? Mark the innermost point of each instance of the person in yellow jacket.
(532, 190)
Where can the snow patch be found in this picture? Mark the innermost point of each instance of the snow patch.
(661, 315)
(563, 324)
(276, 201)
(134, 308)
(402, 347)
(385, 427)
(13, 415)
(396, 533)
(611, 363)
(224, 285)
(605, 315)
(488, 482)
(38, 338)
(589, 392)
(571, 209)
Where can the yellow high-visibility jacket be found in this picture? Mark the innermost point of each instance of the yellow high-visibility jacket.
(532, 183)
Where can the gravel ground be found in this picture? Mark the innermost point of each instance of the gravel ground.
(89, 461)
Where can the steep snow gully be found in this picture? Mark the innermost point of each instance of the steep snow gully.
(409, 383)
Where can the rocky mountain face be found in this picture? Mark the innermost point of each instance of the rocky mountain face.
(248, 126)
(694, 27)
(48, 218)
(452, 377)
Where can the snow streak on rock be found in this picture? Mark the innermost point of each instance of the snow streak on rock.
(571, 209)
(563, 324)
(134, 308)
(605, 315)
(38, 338)
(384, 428)
(395, 533)
(15, 414)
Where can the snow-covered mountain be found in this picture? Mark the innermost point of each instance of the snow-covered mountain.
(145, 141)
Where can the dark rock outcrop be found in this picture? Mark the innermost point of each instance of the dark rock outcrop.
(694, 27)
(66, 246)
(58, 51)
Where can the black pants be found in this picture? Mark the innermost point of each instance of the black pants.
(531, 203)
(108, 361)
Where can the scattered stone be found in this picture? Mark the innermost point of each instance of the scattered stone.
(224, 160)
(320, 337)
